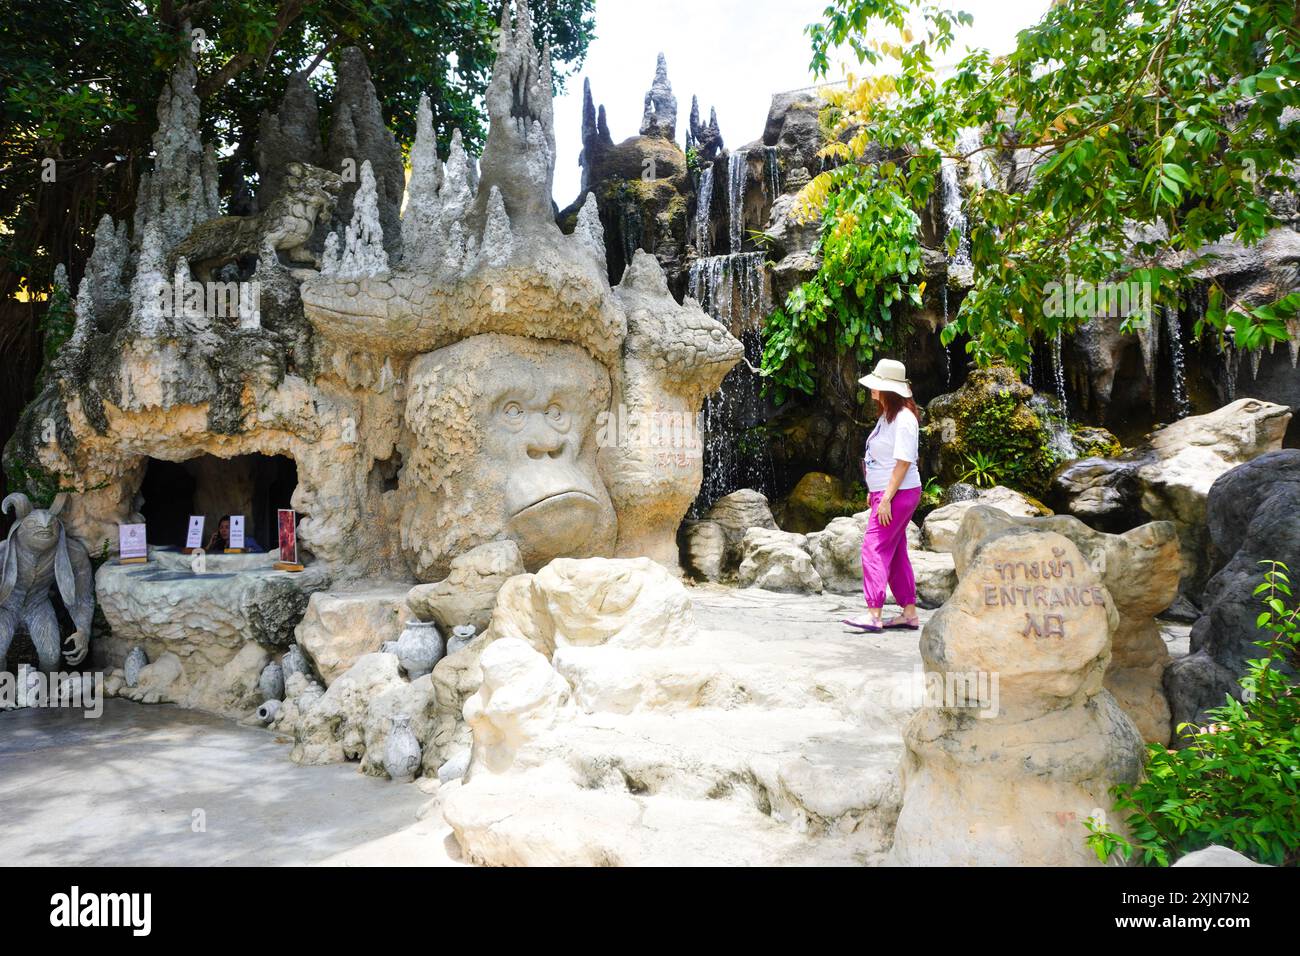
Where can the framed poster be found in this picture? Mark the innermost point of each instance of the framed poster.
(236, 533)
(194, 534)
(288, 536)
(131, 542)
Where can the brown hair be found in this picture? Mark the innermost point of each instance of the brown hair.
(891, 403)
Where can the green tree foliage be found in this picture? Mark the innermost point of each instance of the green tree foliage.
(1237, 781)
(1162, 113)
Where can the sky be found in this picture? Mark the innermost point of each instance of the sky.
(732, 54)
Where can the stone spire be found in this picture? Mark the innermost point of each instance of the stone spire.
(588, 228)
(660, 116)
(423, 230)
(292, 134)
(707, 140)
(150, 280)
(519, 156)
(498, 241)
(359, 135)
(181, 190)
(362, 252)
(596, 140)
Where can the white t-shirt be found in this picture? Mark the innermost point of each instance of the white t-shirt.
(891, 442)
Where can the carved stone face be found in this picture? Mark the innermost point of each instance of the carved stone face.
(505, 432)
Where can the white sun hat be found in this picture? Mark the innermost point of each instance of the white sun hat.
(888, 376)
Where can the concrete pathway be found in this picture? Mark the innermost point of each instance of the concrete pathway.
(127, 788)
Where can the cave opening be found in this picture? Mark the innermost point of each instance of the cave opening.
(255, 485)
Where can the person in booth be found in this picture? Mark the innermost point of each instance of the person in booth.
(220, 539)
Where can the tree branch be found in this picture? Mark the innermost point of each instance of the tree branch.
(288, 12)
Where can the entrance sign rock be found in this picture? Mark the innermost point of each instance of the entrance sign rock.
(1027, 742)
(1140, 571)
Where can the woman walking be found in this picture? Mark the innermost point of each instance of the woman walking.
(895, 490)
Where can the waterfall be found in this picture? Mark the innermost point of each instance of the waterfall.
(1231, 360)
(737, 172)
(947, 352)
(1182, 407)
(772, 172)
(969, 140)
(1058, 374)
(953, 215)
(1056, 422)
(704, 204)
(733, 289)
(1293, 339)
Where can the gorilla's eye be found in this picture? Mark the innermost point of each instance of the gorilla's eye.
(554, 414)
(514, 412)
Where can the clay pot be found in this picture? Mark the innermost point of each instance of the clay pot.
(419, 647)
(401, 751)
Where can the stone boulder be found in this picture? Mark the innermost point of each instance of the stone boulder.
(939, 530)
(815, 500)
(704, 550)
(521, 696)
(777, 561)
(629, 602)
(468, 593)
(1024, 743)
(1168, 477)
(1139, 570)
(341, 626)
(935, 575)
(836, 553)
(735, 514)
(219, 626)
(1253, 515)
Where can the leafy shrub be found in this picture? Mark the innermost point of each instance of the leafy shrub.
(1237, 782)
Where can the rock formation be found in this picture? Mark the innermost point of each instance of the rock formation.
(660, 116)
(1253, 515)
(1139, 570)
(1169, 477)
(1020, 742)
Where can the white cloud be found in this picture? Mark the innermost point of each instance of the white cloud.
(732, 54)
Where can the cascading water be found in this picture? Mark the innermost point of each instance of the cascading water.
(954, 216)
(772, 172)
(704, 204)
(737, 173)
(733, 289)
(1182, 407)
(1058, 376)
(970, 143)
(1056, 423)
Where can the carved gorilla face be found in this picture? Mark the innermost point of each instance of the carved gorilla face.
(505, 430)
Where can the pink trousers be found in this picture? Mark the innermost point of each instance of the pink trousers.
(884, 552)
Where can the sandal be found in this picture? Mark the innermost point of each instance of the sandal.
(868, 628)
(902, 624)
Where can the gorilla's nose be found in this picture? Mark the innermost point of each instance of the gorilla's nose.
(542, 442)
